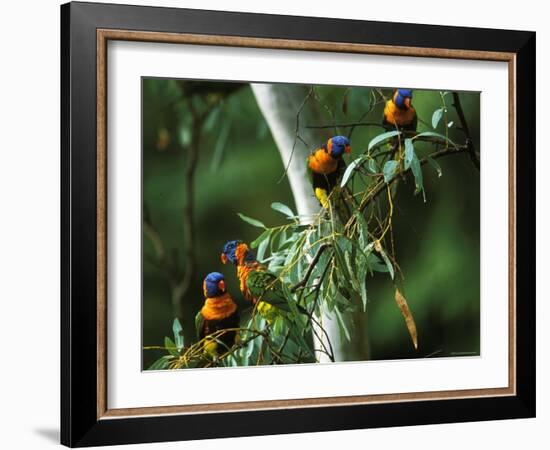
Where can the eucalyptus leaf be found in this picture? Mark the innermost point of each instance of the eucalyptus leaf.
(261, 249)
(261, 238)
(283, 209)
(409, 152)
(372, 166)
(253, 222)
(382, 138)
(362, 276)
(389, 265)
(161, 363)
(434, 134)
(178, 337)
(170, 346)
(436, 117)
(407, 315)
(389, 170)
(432, 162)
(363, 230)
(211, 119)
(221, 145)
(342, 325)
(416, 169)
(350, 169)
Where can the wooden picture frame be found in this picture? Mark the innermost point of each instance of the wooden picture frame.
(85, 417)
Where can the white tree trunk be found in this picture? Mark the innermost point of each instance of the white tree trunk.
(280, 104)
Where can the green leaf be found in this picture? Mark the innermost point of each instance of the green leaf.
(417, 172)
(211, 119)
(170, 346)
(363, 229)
(376, 265)
(381, 138)
(409, 152)
(261, 249)
(253, 222)
(372, 166)
(339, 253)
(362, 270)
(350, 169)
(283, 209)
(436, 117)
(221, 144)
(342, 325)
(161, 363)
(178, 337)
(389, 265)
(432, 162)
(434, 134)
(389, 170)
(296, 330)
(262, 237)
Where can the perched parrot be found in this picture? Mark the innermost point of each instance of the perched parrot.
(264, 289)
(218, 313)
(399, 111)
(326, 166)
(257, 284)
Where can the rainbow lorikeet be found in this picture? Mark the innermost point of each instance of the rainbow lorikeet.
(218, 313)
(257, 284)
(326, 167)
(399, 111)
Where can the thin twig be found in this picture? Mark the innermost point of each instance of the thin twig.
(296, 134)
(346, 125)
(310, 268)
(379, 187)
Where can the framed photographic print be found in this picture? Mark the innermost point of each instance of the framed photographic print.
(291, 224)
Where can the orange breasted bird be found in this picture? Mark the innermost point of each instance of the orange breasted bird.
(257, 284)
(218, 313)
(326, 167)
(399, 112)
(265, 290)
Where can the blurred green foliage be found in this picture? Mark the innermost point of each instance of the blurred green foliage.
(437, 241)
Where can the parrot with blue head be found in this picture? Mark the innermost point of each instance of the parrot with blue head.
(265, 290)
(399, 112)
(219, 312)
(258, 285)
(326, 167)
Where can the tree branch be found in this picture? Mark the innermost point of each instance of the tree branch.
(310, 268)
(189, 211)
(346, 125)
(380, 186)
(165, 262)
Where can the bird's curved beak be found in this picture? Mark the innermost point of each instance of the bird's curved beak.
(223, 258)
(221, 286)
(348, 149)
(408, 102)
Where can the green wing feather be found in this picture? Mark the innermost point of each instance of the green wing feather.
(266, 287)
(199, 324)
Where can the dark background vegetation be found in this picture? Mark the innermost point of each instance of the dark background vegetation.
(437, 243)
